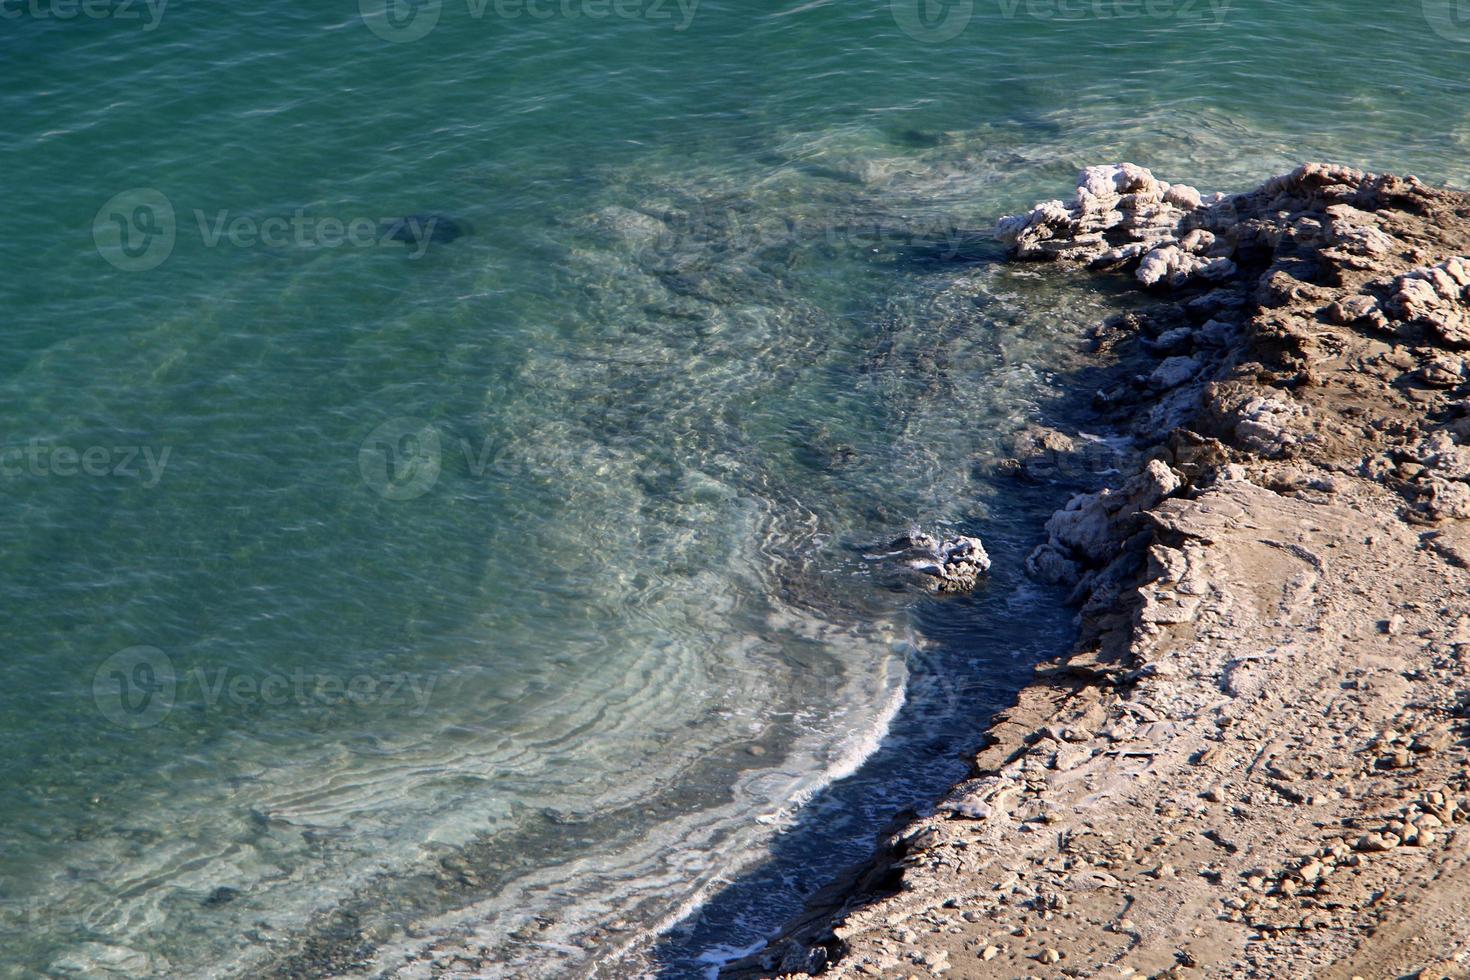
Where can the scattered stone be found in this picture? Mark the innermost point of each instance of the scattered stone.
(1431, 741)
(1175, 341)
(1173, 372)
(1399, 758)
(1376, 842)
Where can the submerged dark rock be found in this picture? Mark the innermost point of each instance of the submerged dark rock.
(421, 229)
(222, 895)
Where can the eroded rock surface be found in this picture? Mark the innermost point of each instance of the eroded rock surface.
(1438, 297)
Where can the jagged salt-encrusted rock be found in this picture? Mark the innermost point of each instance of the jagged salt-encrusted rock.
(1122, 213)
(1313, 184)
(938, 565)
(1442, 370)
(1437, 297)
(1175, 266)
(1264, 425)
(1447, 466)
(1088, 531)
(1354, 232)
(1449, 499)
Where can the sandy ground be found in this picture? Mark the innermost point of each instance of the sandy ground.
(1254, 763)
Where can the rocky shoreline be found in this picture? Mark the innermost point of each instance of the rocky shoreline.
(1253, 762)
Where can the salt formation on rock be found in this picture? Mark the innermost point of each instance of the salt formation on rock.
(1438, 297)
(1089, 530)
(938, 565)
(1122, 214)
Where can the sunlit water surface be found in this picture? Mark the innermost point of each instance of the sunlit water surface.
(361, 592)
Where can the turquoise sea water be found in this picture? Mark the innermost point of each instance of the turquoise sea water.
(360, 592)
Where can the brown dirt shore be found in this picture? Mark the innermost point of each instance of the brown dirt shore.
(1254, 762)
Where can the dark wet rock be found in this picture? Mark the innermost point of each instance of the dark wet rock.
(1215, 302)
(1216, 333)
(1037, 440)
(222, 895)
(1040, 454)
(1049, 564)
(420, 229)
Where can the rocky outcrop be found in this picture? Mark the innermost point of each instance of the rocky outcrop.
(1120, 215)
(1254, 764)
(1090, 530)
(935, 564)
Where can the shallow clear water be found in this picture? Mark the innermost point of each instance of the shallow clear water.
(513, 584)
